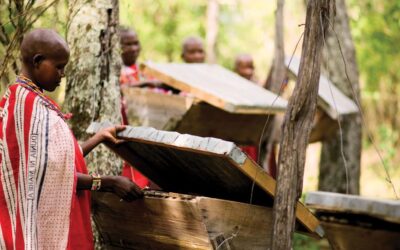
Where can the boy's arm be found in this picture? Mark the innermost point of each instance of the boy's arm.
(121, 186)
(107, 134)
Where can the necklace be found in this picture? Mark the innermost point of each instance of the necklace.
(28, 84)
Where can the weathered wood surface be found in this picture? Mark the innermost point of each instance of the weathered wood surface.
(388, 210)
(174, 221)
(186, 114)
(323, 127)
(339, 105)
(297, 125)
(346, 237)
(217, 86)
(359, 223)
(208, 121)
(150, 223)
(202, 166)
(240, 225)
(145, 107)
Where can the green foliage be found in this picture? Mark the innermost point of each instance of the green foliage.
(388, 138)
(162, 25)
(302, 242)
(244, 27)
(376, 29)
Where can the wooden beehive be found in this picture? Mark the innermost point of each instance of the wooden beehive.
(213, 102)
(332, 104)
(220, 196)
(357, 223)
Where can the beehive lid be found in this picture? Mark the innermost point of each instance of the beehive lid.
(209, 167)
(217, 86)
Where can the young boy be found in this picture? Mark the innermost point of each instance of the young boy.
(44, 197)
(130, 47)
(244, 66)
(193, 50)
(131, 76)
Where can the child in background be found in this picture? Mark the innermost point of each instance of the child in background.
(193, 50)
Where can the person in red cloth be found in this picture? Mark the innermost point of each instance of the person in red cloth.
(244, 67)
(44, 183)
(130, 76)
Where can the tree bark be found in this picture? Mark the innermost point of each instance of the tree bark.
(277, 73)
(92, 91)
(332, 175)
(297, 125)
(212, 30)
(276, 77)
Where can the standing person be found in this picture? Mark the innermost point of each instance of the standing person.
(44, 184)
(130, 47)
(244, 67)
(193, 50)
(130, 76)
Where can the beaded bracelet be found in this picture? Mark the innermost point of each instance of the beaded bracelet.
(96, 182)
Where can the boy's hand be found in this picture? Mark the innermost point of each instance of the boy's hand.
(124, 188)
(110, 134)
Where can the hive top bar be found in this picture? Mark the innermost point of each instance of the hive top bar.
(385, 209)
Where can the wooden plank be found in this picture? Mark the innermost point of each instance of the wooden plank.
(145, 107)
(203, 166)
(164, 222)
(234, 225)
(217, 86)
(208, 121)
(388, 210)
(340, 104)
(175, 221)
(186, 115)
(268, 184)
(323, 128)
(345, 237)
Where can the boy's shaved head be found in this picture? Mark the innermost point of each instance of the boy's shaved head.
(244, 66)
(193, 50)
(191, 40)
(44, 55)
(44, 42)
(241, 58)
(130, 46)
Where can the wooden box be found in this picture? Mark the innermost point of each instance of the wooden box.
(223, 196)
(357, 223)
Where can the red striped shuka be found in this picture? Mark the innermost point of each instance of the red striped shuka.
(39, 160)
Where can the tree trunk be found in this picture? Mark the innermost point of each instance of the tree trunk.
(212, 30)
(277, 73)
(332, 175)
(92, 91)
(276, 77)
(297, 125)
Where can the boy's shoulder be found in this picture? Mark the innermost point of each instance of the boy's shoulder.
(17, 94)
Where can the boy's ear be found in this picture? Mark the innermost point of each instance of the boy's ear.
(37, 59)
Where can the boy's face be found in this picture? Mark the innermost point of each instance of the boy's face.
(48, 71)
(245, 68)
(130, 46)
(194, 53)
